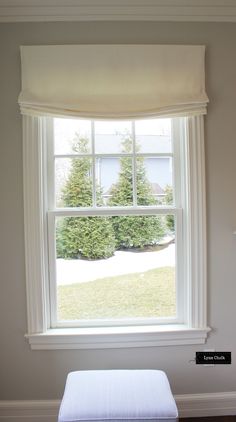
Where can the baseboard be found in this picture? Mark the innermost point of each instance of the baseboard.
(29, 411)
(189, 405)
(208, 404)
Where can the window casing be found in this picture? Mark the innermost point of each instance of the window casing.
(190, 325)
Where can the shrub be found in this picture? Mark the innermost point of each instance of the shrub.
(85, 237)
(134, 231)
(170, 220)
(137, 231)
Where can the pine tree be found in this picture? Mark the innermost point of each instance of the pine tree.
(134, 231)
(88, 237)
(170, 220)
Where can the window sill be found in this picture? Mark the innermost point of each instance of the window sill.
(117, 337)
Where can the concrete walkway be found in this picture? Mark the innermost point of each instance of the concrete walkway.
(72, 271)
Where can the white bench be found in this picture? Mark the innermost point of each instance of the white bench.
(117, 395)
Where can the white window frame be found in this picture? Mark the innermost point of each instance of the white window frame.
(53, 212)
(192, 329)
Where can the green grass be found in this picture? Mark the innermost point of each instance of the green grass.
(140, 295)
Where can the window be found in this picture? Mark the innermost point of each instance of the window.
(113, 219)
(142, 294)
(114, 168)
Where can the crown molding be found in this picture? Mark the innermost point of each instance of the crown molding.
(118, 10)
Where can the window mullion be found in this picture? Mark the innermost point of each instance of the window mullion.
(117, 155)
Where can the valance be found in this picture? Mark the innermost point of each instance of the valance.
(113, 81)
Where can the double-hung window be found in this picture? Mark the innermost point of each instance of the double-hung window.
(114, 196)
(114, 222)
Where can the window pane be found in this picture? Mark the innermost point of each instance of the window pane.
(115, 267)
(115, 181)
(73, 182)
(113, 137)
(154, 180)
(72, 136)
(153, 135)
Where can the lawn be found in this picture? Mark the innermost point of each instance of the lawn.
(140, 295)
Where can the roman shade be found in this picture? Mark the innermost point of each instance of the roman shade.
(113, 81)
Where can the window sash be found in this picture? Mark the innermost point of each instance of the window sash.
(93, 155)
(179, 275)
(54, 212)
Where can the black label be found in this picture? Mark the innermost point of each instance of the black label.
(213, 358)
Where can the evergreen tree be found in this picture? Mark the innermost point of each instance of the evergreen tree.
(89, 237)
(170, 220)
(134, 231)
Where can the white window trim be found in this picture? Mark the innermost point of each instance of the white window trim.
(40, 335)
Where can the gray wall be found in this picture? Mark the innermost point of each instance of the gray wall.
(26, 374)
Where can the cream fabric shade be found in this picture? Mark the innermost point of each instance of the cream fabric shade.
(113, 81)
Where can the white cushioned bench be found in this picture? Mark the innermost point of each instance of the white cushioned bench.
(117, 395)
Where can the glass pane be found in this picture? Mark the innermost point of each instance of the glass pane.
(73, 182)
(153, 135)
(114, 181)
(72, 136)
(154, 181)
(113, 137)
(115, 267)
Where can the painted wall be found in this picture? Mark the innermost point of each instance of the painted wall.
(26, 374)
